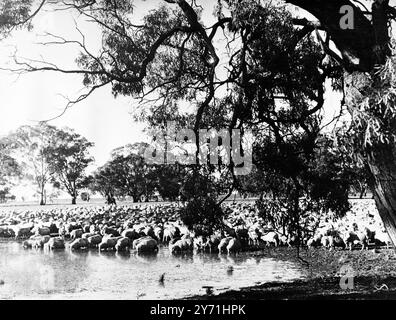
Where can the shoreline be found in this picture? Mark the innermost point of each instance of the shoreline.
(373, 277)
(312, 289)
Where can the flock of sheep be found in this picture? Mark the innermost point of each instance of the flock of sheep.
(144, 228)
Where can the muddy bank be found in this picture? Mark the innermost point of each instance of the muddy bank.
(326, 288)
(373, 273)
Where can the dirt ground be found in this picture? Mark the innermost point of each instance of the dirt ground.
(374, 276)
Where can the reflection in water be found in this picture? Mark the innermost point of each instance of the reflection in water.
(230, 270)
(162, 280)
(107, 254)
(231, 259)
(146, 257)
(257, 259)
(123, 255)
(92, 274)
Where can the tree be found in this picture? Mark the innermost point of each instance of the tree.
(369, 94)
(10, 170)
(14, 14)
(102, 181)
(168, 180)
(132, 177)
(202, 213)
(124, 175)
(297, 189)
(68, 157)
(29, 145)
(264, 69)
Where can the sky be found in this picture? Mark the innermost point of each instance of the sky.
(30, 98)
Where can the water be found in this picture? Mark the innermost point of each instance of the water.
(36, 274)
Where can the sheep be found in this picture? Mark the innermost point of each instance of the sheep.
(145, 244)
(79, 244)
(76, 234)
(94, 240)
(122, 244)
(234, 245)
(55, 243)
(271, 238)
(223, 244)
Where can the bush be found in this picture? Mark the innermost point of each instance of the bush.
(202, 215)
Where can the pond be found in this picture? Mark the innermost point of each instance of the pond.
(37, 274)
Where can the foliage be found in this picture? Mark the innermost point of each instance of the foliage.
(5, 195)
(29, 145)
(168, 180)
(68, 157)
(373, 113)
(15, 13)
(10, 172)
(102, 181)
(297, 188)
(203, 215)
(124, 175)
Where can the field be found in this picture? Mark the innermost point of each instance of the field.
(66, 203)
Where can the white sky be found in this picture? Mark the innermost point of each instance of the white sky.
(33, 97)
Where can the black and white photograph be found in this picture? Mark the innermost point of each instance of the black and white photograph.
(194, 150)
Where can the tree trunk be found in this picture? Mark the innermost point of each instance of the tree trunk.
(42, 197)
(383, 169)
(381, 159)
(363, 191)
(74, 195)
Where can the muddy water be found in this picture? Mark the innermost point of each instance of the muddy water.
(35, 274)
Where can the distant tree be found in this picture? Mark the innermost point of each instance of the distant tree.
(10, 171)
(54, 194)
(68, 157)
(29, 145)
(131, 175)
(124, 175)
(102, 181)
(5, 195)
(168, 180)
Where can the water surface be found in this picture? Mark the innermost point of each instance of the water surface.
(36, 274)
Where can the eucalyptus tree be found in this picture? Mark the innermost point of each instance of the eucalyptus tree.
(67, 156)
(29, 144)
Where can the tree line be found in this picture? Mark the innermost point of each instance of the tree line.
(47, 155)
